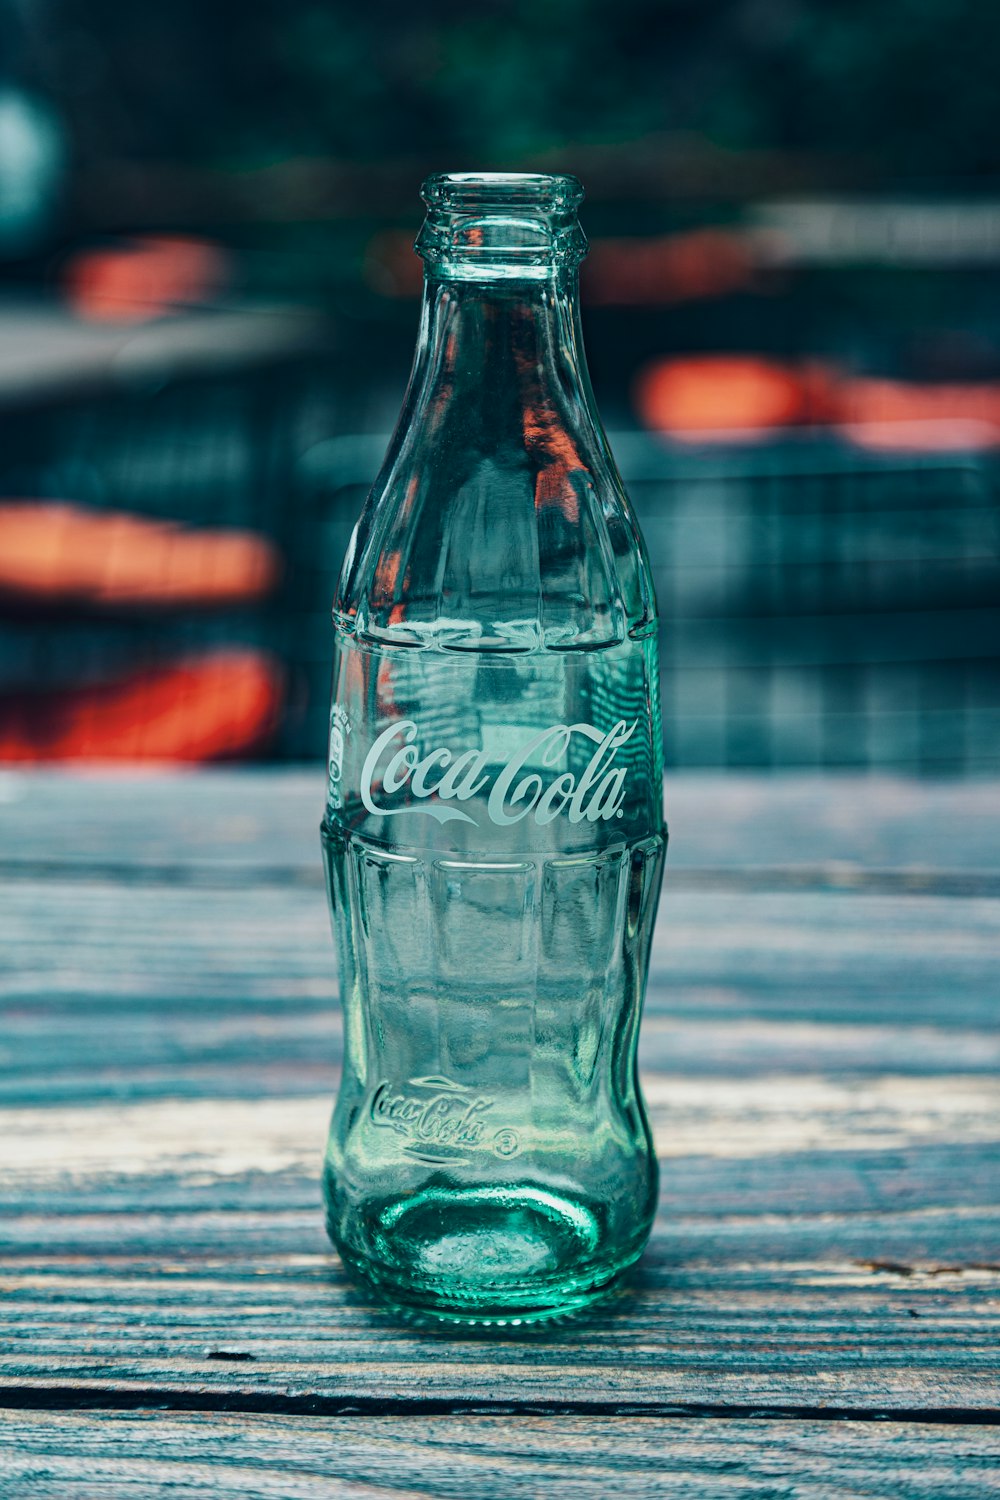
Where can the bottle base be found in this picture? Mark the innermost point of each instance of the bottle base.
(488, 1256)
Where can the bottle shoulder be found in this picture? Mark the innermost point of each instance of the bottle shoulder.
(497, 553)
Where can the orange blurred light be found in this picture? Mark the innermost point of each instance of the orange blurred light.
(224, 704)
(144, 278)
(728, 396)
(55, 551)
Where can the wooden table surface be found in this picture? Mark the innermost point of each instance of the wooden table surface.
(817, 1313)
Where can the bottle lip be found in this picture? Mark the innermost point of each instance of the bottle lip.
(541, 190)
(503, 224)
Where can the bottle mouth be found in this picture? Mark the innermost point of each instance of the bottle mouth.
(530, 190)
(503, 224)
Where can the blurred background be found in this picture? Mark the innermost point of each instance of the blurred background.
(208, 306)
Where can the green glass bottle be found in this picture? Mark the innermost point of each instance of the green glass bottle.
(494, 831)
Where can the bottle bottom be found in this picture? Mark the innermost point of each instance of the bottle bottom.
(498, 1255)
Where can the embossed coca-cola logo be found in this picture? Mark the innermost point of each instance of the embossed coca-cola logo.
(440, 1120)
(437, 778)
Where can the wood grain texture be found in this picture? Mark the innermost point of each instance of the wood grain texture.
(888, 1308)
(820, 1055)
(231, 824)
(226, 1456)
(805, 955)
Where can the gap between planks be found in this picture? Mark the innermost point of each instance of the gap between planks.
(835, 876)
(39, 1397)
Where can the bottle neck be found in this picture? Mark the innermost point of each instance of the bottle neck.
(498, 521)
(502, 362)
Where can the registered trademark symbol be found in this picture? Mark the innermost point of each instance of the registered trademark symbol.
(620, 813)
(506, 1142)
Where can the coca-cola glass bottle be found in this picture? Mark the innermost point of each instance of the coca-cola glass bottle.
(494, 831)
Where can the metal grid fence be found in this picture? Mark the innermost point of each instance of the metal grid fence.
(821, 606)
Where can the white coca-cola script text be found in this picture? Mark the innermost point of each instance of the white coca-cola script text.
(437, 778)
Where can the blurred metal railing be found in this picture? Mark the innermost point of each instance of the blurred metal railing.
(822, 605)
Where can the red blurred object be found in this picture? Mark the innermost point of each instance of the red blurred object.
(893, 414)
(144, 278)
(391, 266)
(617, 272)
(218, 706)
(59, 552)
(729, 396)
(672, 268)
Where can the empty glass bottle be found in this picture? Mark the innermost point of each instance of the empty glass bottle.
(494, 832)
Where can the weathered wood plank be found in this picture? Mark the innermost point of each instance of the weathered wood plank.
(236, 1457)
(68, 1455)
(820, 1067)
(801, 956)
(72, 1054)
(730, 1118)
(845, 1363)
(233, 822)
(956, 1183)
(817, 1242)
